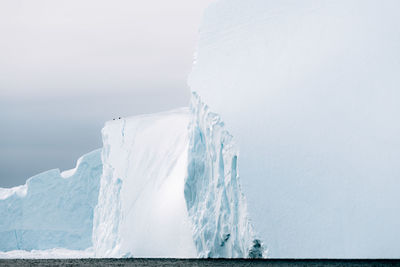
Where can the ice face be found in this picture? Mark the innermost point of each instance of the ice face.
(158, 197)
(309, 90)
(213, 194)
(142, 210)
(52, 210)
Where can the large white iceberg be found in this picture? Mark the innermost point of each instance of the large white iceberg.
(154, 191)
(148, 204)
(310, 92)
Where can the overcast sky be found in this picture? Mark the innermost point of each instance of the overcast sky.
(67, 66)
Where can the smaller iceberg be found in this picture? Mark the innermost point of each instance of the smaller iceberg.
(52, 210)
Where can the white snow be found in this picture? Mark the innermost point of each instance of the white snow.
(310, 92)
(51, 211)
(71, 172)
(18, 190)
(54, 253)
(141, 210)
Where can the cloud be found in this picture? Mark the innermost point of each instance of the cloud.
(68, 66)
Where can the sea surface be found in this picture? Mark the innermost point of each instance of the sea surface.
(195, 262)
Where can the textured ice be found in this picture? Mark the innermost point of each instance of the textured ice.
(154, 203)
(214, 199)
(157, 196)
(310, 92)
(52, 210)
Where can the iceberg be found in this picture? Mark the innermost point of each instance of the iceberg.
(141, 210)
(149, 192)
(52, 210)
(154, 203)
(309, 91)
(289, 148)
(213, 195)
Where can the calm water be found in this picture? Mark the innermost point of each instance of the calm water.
(195, 262)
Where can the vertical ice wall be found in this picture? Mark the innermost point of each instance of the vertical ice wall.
(53, 209)
(310, 92)
(141, 210)
(212, 190)
(158, 196)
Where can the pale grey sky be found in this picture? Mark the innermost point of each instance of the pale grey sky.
(67, 66)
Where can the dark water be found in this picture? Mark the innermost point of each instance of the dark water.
(196, 262)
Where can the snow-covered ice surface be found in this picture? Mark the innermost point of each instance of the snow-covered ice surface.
(52, 210)
(141, 210)
(309, 91)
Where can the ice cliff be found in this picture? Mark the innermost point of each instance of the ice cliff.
(149, 206)
(141, 210)
(310, 91)
(166, 185)
(53, 209)
(213, 195)
(298, 97)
